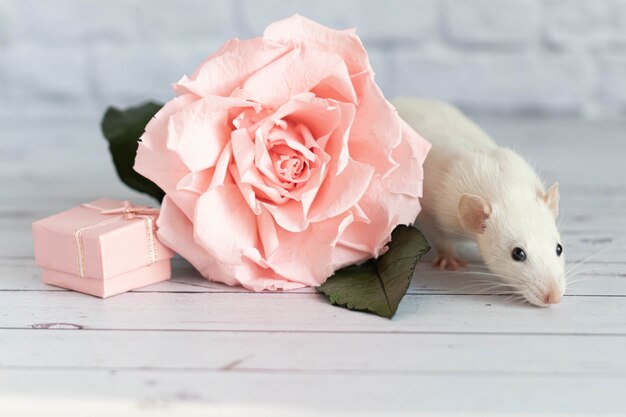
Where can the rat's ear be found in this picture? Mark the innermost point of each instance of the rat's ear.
(473, 212)
(551, 198)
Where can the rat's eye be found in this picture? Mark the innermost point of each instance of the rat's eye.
(559, 249)
(518, 254)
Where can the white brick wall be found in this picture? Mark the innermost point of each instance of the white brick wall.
(509, 23)
(71, 58)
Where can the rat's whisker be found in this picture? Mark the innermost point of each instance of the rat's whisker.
(483, 281)
(479, 267)
(489, 289)
(490, 281)
(587, 259)
(451, 273)
(483, 286)
(516, 282)
(479, 273)
(454, 232)
(513, 281)
(516, 287)
(591, 270)
(578, 280)
(514, 298)
(563, 220)
(603, 268)
(590, 276)
(479, 288)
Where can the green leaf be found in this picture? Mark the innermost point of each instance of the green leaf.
(122, 129)
(378, 285)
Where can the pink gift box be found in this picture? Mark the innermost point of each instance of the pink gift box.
(103, 248)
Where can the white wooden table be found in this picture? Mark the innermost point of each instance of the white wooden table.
(191, 347)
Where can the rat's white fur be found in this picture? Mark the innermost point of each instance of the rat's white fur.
(464, 160)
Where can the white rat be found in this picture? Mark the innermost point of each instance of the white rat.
(477, 190)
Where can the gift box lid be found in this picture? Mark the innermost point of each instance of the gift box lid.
(100, 240)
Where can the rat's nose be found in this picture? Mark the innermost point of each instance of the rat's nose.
(553, 296)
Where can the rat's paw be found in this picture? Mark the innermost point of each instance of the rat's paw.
(449, 261)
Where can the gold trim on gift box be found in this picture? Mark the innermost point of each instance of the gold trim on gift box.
(125, 212)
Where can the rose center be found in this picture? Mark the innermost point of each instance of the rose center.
(289, 165)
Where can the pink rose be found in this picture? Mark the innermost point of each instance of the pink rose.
(281, 160)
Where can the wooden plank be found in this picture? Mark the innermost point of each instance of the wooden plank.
(600, 279)
(309, 312)
(240, 393)
(21, 274)
(305, 352)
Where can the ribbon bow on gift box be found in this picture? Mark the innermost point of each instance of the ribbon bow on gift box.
(128, 212)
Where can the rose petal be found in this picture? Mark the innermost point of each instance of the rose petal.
(344, 256)
(199, 132)
(164, 168)
(153, 159)
(267, 233)
(321, 117)
(306, 257)
(175, 231)
(155, 135)
(221, 168)
(410, 155)
(337, 87)
(159, 164)
(248, 173)
(385, 210)
(247, 192)
(337, 143)
(293, 138)
(243, 150)
(225, 70)
(255, 274)
(289, 215)
(306, 194)
(373, 142)
(296, 72)
(345, 43)
(224, 224)
(196, 182)
(341, 192)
